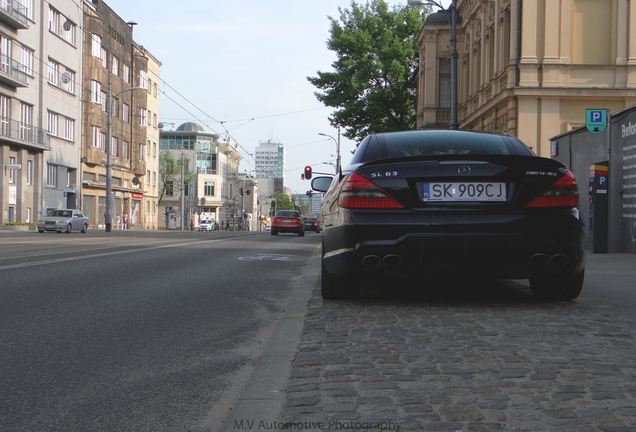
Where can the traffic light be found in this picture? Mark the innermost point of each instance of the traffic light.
(241, 191)
(307, 173)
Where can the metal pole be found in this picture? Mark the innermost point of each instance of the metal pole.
(454, 55)
(338, 154)
(182, 191)
(109, 163)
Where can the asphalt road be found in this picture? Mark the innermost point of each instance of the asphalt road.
(137, 331)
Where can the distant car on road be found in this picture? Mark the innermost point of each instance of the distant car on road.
(66, 220)
(423, 203)
(312, 224)
(208, 225)
(288, 221)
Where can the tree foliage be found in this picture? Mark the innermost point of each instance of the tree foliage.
(283, 202)
(170, 173)
(372, 82)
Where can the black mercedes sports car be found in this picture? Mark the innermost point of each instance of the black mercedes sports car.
(429, 203)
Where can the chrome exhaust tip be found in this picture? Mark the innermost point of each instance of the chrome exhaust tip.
(371, 260)
(560, 260)
(392, 260)
(539, 259)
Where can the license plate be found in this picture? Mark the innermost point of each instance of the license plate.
(286, 221)
(464, 192)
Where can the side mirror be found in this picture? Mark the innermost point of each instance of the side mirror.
(321, 184)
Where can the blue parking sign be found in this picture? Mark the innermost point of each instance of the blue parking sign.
(596, 120)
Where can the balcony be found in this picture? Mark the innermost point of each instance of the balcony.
(13, 14)
(138, 167)
(24, 134)
(12, 72)
(92, 155)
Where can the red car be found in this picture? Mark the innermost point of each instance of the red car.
(288, 221)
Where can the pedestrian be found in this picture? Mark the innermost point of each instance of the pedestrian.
(117, 221)
(221, 225)
(124, 221)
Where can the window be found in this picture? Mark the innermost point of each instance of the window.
(102, 141)
(103, 96)
(169, 188)
(154, 89)
(142, 79)
(11, 171)
(51, 175)
(154, 120)
(115, 108)
(444, 83)
(147, 207)
(69, 129)
(54, 72)
(114, 146)
(70, 85)
(115, 66)
(148, 177)
(4, 115)
(29, 179)
(96, 47)
(125, 72)
(208, 188)
(28, 8)
(148, 147)
(154, 149)
(95, 136)
(142, 116)
(124, 112)
(53, 123)
(96, 89)
(26, 119)
(27, 60)
(154, 178)
(124, 149)
(102, 55)
(141, 151)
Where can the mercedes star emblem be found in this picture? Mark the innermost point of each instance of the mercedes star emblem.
(464, 170)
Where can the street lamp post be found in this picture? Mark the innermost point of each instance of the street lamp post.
(110, 200)
(454, 54)
(337, 149)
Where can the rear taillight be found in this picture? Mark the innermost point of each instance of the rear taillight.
(563, 193)
(360, 193)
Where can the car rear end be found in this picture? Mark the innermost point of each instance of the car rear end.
(287, 222)
(507, 215)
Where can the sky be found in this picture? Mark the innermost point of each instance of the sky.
(241, 67)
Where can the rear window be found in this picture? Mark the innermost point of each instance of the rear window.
(288, 213)
(435, 143)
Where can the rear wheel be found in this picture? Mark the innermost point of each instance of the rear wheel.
(557, 287)
(338, 288)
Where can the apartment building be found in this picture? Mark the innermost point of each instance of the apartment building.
(269, 159)
(214, 189)
(114, 65)
(40, 107)
(529, 68)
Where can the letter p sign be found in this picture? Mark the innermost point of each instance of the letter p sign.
(596, 120)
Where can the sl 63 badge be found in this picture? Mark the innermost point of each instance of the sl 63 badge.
(386, 174)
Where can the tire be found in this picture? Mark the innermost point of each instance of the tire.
(557, 287)
(338, 288)
(40, 231)
(85, 228)
(274, 232)
(69, 228)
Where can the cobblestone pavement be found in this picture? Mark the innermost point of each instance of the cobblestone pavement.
(457, 361)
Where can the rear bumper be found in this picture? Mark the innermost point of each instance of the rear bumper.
(509, 246)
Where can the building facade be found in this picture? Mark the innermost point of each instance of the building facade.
(40, 107)
(529, 68)
(214, 189)
(114, 67)
(270, 163)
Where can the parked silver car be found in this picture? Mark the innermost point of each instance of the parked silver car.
(66, 220)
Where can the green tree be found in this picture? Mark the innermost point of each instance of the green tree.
(170, 173)
(372, 82)
(283, 202)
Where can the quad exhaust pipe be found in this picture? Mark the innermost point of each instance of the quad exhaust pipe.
(542, 260)
(390, 260)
